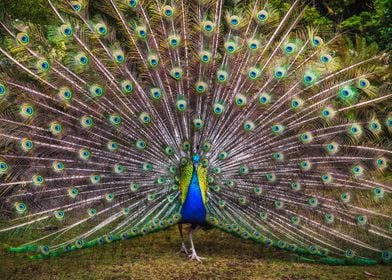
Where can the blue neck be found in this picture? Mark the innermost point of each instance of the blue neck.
(193, 210)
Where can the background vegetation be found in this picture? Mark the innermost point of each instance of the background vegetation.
(370, 19)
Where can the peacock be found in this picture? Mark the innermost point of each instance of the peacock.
(128, 117)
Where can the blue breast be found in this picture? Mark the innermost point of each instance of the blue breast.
(193, 210)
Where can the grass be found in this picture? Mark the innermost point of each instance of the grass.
(157, 256)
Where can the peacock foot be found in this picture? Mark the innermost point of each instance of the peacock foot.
(184, 249)
(195, 257)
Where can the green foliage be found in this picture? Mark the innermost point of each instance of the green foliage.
(36, 11)
(371, 19)
(375, 25)
(313, 17)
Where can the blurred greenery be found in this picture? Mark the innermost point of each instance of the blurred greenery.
(370, 19)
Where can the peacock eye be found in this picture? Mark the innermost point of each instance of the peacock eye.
(254, 73)
(386, 256)
(201, 87)
(167, 11)
(205, 56)
(206, 146)
(268, 242)
(222, 76)
(223, 155)
(169, 150)
(140, 144)
(66, 30)
(186, 146)
(240, 100)
(279, 73)
(328, 113)
(20, 207)
(133, 3)
(207, 26)
(176, 73)
(156, 93)
(270, 177)
(59, 215)
(277, 129)
(147, 166)
(23, 38)
(363, 83)
(289, 48)
(3, 167)
(119, 58)
(3, 90)
(234, 21)
(388, 122)
(305, 165)
(42, 65)
(126, 86)
(278, 204)
(83, 60)
(230, 47)
(346, 197)
(325, 58)
(262, 16)
(84, 154)
(153, 60)
(198, 123)
(297, 103)
(264, 98)
(86, 122)
(313, 202)
(249, 126)
(58, 166)
(181, 105)
(295, 186)
(349, 253)
(218, 109)
(278, 156)
(76, 6)
(244, 169)
(38, 180)
(317, 41)
(115, 119)
(109, 197)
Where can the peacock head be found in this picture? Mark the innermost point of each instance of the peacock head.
(196, 158)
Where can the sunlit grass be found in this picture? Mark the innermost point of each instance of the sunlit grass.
(157, 256)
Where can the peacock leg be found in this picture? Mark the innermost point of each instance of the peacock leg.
(194, 255)
(183, 246)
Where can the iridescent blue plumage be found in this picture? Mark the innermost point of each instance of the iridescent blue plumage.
(193, 210)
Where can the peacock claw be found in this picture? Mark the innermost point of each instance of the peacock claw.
(184, 249)
(195, 257)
